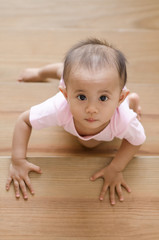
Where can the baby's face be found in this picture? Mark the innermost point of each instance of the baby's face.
(93, 98)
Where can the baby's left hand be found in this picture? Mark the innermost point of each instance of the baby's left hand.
(113, 180)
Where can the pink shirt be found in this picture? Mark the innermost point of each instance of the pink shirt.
(55, 111)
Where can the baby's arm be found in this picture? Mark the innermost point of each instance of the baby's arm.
(112, 174)
(42, 74)
(20, 167)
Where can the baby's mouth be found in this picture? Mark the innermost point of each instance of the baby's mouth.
(91, 120)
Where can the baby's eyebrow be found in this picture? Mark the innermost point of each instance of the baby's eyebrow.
(104, 91)
(80, 90)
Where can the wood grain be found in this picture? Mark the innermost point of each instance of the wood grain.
(90, 14)
(20, 97)
(26, 50)
(66, 204)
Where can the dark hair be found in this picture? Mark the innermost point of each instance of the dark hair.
(95, 54)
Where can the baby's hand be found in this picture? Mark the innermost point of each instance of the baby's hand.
(113, 180)
(31, 75)
(18, 173)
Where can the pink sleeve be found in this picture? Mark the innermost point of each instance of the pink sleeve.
(125, 125)
(135, 133)
(44, 114)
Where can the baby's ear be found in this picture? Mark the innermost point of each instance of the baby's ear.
(63, 90)
(124, 93)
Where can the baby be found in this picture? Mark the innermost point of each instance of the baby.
(92, 104)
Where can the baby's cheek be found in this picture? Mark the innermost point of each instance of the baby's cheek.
(108, 111)
(74, 110)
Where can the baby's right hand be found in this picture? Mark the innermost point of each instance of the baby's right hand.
(31, 75)
(19, 174)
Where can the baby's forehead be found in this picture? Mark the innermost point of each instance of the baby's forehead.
(85, 78)
(93, 75)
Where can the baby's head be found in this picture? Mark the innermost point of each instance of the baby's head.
(94, 75)
(95, 55)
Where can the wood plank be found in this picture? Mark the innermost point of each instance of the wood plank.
(60, 143)
(64, 192)
(36, 48)
(66, 206)
(94, 14)
(57, 141)
(18, 97)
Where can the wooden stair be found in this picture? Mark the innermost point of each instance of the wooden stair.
(66, 205)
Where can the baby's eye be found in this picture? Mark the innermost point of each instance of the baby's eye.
(103, 98)
(81, 97)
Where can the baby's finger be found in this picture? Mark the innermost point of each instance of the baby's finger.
(29, 185)
(112, 195)
(103, 192)
(8, 183)
(124, 184)
(35, 168)
(20, 78)
(96, 175)
(23, 189)
(119, 192)
(16, 187)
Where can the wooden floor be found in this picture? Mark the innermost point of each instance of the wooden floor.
(66, 205)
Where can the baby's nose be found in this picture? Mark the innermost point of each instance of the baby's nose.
(91, 109)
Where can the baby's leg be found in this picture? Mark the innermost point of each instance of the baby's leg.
(31, 75)
(134, 103)
(90, 143)
(51, 71)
